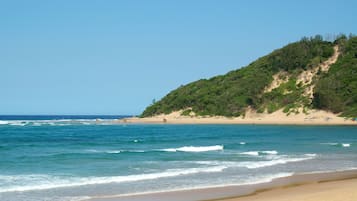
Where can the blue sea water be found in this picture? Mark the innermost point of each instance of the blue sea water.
(76, 157)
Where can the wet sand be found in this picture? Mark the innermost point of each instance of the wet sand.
(333, 186)
(341, 190)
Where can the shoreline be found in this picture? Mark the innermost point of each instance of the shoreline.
(331, 190)
(313, 117)
(227, 121)
(241, 192)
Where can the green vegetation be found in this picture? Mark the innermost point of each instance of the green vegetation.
(336, 90)
(230, 94)
(288, 96)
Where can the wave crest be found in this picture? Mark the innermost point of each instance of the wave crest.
(260, 164)
(276, 160)
(257, 153)
(195, 149)
(337, 144)
(3, 122)
(42, 182)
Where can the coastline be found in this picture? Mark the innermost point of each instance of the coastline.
(313, 117)
(340, 189)
(291, 188)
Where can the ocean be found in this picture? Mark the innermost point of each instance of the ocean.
(68, 158)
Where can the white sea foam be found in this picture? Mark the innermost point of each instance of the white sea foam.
(242, 143)
(136, 151)
(17, 123)
(195, 149)
(273, 152)
(251, 153)
(13, 122)
(93, 151)
(257, 153)
(41, 182)
(337, 144)
(311, 155)
(3, 122)
(113, 151)
(180, 149)
(260, 164)
(104, 151)
(330, 143)
(37, 124)
(346, 145)
(275, 160)
(58, 122)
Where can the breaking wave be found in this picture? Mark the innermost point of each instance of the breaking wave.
(3, 122)
(41, 182)
(58, 122)
(257, 153)
(195, 149)
(337, 144)
(277, 160)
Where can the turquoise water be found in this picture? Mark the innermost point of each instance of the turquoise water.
(73, 159)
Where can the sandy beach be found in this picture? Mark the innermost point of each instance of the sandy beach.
(342, 190)
(331, 186)
(311, 117)
(339, 186)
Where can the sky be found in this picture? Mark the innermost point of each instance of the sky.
(115, 57)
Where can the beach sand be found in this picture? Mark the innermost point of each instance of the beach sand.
(343, 190)
(332, 186)
(337, 186)
(303, 117)
(312, 117)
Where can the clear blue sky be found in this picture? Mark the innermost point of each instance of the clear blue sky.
(115, 57)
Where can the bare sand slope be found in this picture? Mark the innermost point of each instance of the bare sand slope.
(311, 117)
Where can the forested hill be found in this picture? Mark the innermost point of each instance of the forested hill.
(308, 74)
